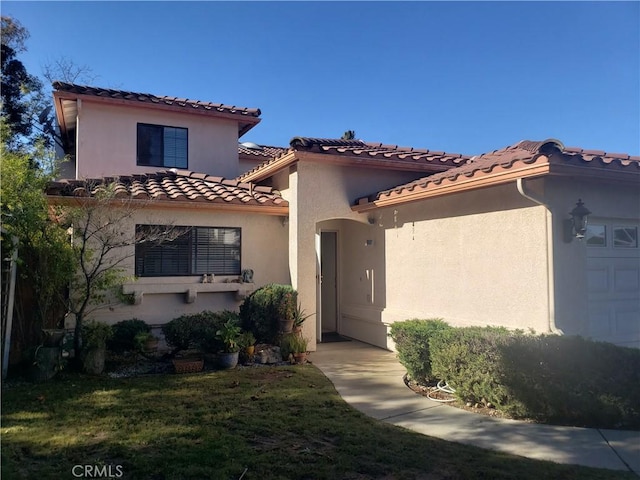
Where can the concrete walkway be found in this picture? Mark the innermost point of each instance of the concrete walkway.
(370, 379)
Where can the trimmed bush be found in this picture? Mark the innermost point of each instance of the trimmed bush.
(198, 331)
(554, 379)
(565, 379)
(412, 344)
(261, 311)
(183, 333)
(125, 333)
(468, 360)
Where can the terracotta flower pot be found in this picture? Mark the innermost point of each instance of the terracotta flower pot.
(300, 358)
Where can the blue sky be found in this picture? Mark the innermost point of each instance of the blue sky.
(467, 77)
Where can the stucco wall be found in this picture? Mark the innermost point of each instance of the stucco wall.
(264, 249)
(319, 192)
(476, 258)
(107, 140)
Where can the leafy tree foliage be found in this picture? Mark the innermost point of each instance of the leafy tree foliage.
(44, 250)
(20, 90)
(348, 135)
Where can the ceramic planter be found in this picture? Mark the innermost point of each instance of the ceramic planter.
(228, 360)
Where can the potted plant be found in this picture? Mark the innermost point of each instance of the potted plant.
(286, 311)
(229, 335)
(299, 347)
(181, 335)
(294, 347)
(247, 341)
(94, 346)
(299, 317)
(47, 357)
(145, 342)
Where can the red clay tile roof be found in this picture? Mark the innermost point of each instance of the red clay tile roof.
(150, 98)
(261, 152)
(365, 154)
(523, 153)
(175, 186)
(65, 96)
(375, 150)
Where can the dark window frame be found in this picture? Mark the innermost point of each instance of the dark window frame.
(150, 137)
(192, 253)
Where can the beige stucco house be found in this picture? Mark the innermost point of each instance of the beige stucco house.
(368, 234)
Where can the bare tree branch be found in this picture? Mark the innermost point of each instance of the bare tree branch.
(104, 238)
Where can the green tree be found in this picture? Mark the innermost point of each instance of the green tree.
(348, 135)
(44, 261)
(21, 92)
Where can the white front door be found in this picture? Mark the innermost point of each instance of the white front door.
(613, 281)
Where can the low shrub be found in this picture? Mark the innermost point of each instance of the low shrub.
(198, 331)
(183, 333)
(412, 344)
(261, 311)
(568, 379)
(125, 333)
(95, 335)
(549, 378)
(468, 360)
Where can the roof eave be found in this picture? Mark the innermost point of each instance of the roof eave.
(270, 168)
(497, 176)
(167, 204)
(245, 122)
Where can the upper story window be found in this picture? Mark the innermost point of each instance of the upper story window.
(161, 146)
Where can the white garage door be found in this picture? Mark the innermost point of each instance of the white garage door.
(613, 269)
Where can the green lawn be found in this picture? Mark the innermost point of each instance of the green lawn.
(268, 423)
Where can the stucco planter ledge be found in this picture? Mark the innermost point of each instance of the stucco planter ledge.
(190, 290)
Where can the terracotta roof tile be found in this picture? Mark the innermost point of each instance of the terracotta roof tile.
(420, 159)
(524, 152)
(147, 97)
(251, 150)
(360, 148)
(174, 186)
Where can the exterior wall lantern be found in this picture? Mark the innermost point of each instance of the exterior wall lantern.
(576, 226)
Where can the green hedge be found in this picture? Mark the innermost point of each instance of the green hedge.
(468, 359)
(564, 379)
(554, 379)
(261, 311)
(412, 344)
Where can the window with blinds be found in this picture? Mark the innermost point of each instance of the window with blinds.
(195, 251)
(161, 146)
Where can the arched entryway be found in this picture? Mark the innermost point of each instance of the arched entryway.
(350, 293)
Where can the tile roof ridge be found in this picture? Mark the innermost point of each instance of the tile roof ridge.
(310, 142)
(540, 146)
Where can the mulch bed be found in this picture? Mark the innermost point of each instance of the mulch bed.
(132, 365)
